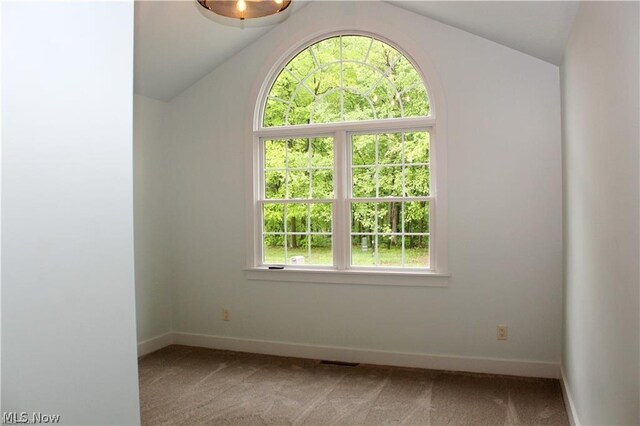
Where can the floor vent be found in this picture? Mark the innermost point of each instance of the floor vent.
(340, 363)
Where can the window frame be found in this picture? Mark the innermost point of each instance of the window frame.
(349, 199)
(341, 132)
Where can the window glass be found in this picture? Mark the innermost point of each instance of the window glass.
(359, 197)
(346, 78)
(391, 227)
(297, 219)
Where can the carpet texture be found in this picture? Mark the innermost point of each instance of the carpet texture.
(182, 385)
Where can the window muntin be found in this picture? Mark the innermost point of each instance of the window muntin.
(390, 181)
(297, 202)
(346, 78)
(316, 208)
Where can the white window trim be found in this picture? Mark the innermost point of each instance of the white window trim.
(437, 275)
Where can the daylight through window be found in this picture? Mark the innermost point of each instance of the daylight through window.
(345, 161)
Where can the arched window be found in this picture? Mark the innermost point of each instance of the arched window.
(346, 78)
(344, 152)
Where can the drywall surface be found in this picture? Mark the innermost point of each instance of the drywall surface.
(153, 297)
(68, 310)
(505, 215)
(600, 109)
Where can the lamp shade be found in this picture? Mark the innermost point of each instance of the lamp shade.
(245, 9)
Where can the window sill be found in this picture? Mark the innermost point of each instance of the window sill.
(366, 277)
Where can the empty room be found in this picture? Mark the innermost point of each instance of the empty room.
(282, 212)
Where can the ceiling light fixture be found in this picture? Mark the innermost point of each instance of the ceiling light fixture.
(245, 9)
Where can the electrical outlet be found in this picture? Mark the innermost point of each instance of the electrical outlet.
(501, 332)
(225, 315)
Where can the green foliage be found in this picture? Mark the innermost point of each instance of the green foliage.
(394, 164)
(347, 78)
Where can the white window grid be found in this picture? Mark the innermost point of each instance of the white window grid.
(383, 75)
(378, 199)
(341, 234)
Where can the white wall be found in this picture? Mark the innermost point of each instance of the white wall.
(68, 314)
(600, 99)
(153, 296)
(505, 215)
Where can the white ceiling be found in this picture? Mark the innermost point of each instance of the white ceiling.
(537, 28)
(176, 45)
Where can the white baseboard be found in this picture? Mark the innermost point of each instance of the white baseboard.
(367, 356)
(155, 343)
(568, 401)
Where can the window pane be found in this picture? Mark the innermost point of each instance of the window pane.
(321, 250)
(274, 184)
(298, 153)
(273, 216)
(322, 149)
(301, 65)
(417, 181)
(382, 56)
(322, 183)
(416, 147)
(360, 78)
(390, 250)
(389, 218)
(297, 250)
(364, 182)
(363, 251)
(327, 51)
(357, 106)
(416, 251)
(284, 86)
(354, 48)
(390, 181)
(299, 107)
(404, 78)
(296, 217)
(298, 184)
(416, 101)
(364, 150)
(275, 112)
(309, 250)
(363, 217)
(327, 107)
(321, 217)
(416, 217)
(274, 154)
(390, 148)
(274, 249)
(384, 100)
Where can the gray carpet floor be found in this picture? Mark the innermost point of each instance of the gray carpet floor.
(181, 385)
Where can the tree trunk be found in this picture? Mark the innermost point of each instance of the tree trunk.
(420, 242)
(294, 241)
(393, 217)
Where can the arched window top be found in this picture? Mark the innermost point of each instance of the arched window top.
(346, 78)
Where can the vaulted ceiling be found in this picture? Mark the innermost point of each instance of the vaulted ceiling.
(537, 28)
(176, 45)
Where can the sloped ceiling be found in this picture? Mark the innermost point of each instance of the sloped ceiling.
(537, 28)
(175, 45)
